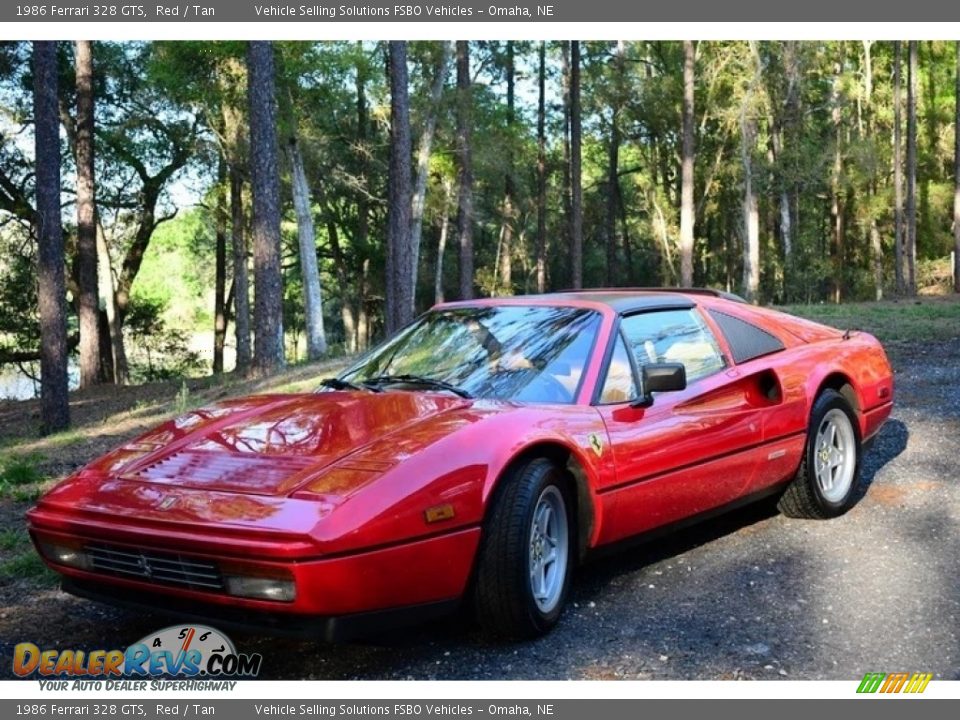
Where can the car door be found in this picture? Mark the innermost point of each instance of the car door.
(691, 450)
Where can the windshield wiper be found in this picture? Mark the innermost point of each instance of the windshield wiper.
(409, 379)
(338, 384)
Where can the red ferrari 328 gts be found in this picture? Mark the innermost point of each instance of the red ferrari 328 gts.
(478, 455)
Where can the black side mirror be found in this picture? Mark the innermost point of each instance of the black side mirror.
(660, 377)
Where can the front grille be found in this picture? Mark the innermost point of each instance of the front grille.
(157, 567)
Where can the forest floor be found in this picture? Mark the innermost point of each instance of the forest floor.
(749, 595)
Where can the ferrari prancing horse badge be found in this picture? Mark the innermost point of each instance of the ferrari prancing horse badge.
(596, 443)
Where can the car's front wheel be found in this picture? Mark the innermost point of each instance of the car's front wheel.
(825, 484)
(525, 560)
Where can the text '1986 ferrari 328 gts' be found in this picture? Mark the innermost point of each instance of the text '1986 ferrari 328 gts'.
(477, 456)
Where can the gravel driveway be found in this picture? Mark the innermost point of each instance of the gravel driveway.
(750, 595)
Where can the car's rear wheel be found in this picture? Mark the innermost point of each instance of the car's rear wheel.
(525, 560)
(825, 483)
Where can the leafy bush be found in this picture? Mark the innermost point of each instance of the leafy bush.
(157, 352)
(935, 277)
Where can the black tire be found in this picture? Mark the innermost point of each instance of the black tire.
(503, 599)
(804, 497)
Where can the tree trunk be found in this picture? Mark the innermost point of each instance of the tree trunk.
(876, 245)
(442, 242)
(220, 270)
(786, 227)
(541, 171)
(789, 131)
(576, 191)
(779, 201)
(625, 235)
(399, 262)
(52, 293)
(88, 305)
(836, 207)
(509, 192)
(687, 179)
(612, 195)
(232, 73)
(898, 215)
(613, 165)
(241, 281)
(119, 369)
(268, 354)
(310, 272)
(751, 222)
(567, 199)
(106, 349)
(358, 321)
(911, 248)
(464, 170)
(956, 180)
(666, 253)
(343, 285)
(423, 165)
(364, 331)
(751, 215)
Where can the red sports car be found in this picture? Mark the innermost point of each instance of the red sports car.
(478, 455)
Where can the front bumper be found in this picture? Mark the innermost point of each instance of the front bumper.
(420, 572)
(329, 628)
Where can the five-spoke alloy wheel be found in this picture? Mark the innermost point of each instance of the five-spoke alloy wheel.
(825, 483)
(524, 564)
(549, 547)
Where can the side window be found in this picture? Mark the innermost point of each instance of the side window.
(673, 336)
(746, 341)
(619, 386)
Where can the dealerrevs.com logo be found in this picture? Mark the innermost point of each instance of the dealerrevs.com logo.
(178, 651)
(889, 683)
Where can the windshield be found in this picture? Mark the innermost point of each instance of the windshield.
(510, 352)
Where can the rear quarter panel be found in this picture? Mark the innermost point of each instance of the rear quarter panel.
(817, 355)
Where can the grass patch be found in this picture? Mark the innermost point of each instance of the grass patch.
(27, 566)
(28, 494)
(65, 438)
(19, 470)
(904, 321)
(182, 403)
(299, 386)
(20, 477)
(12, 538)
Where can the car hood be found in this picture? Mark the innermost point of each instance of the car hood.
(269, 445)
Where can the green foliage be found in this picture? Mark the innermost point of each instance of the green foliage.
(12, 538)
(20, 477)
(27, 566)
(158, 352)
(26, 494)
(164, 113)
(19, 470)
(19, 325)
(177, 271)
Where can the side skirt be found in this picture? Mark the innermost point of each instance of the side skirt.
(659, 532)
